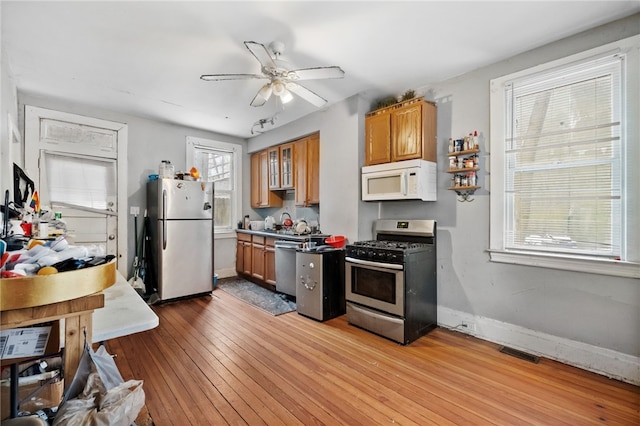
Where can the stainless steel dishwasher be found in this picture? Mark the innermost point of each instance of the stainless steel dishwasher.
(286, 266)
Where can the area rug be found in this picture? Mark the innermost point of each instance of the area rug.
(253, 294)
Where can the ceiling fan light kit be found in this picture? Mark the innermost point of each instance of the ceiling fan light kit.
(282, 82)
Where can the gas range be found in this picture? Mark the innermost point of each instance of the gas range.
(383, 250)
(391, 281)
(395, 241)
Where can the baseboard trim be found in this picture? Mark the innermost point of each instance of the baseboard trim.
(615, 365)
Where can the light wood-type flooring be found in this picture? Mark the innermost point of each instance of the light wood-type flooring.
(217, 360)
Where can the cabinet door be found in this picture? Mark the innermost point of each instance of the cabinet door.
(264, 179)
(270, 265)
(261, 195)
(257, 261)
(406, 137)
(246, 258)
(240, 257)
(273, 155)
(300, 162)
(313, 170)
(286, 166)
(377, 139)
(255, 181)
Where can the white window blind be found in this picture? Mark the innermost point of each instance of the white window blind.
(217, 165)
(81, 181)
(563, 160)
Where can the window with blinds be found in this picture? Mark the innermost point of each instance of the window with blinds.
(564, 175)
(217, 167)
(563, 180)
(220, 163)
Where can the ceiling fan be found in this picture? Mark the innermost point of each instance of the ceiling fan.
(282, 81)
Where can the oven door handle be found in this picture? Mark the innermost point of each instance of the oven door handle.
(374, 264)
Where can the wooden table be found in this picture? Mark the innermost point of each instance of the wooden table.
(101, 305)
(77, 315)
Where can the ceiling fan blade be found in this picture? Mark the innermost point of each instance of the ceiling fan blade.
(317, 73)
(262, 96)
(306, 94)
(261, 54)
(220, 77)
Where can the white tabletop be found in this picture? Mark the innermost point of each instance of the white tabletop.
(124, 313)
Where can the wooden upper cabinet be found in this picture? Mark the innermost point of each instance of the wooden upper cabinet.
(401, 132)
(313, 169)
(273, 157)
(255, 181)
(307, 170)
(261, 195)
(287, 166)
(300, 165)
(378, 139)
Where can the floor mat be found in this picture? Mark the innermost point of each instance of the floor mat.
(260, 297)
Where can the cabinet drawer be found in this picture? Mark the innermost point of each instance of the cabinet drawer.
(271, 242)
(258, 239)
(244, 237)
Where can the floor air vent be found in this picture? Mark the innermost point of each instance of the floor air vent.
(519, 354)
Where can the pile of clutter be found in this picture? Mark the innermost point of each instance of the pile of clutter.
(50, 257)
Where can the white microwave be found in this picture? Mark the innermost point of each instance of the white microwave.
(401, 180)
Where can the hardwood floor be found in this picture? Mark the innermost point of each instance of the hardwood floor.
(217, 360)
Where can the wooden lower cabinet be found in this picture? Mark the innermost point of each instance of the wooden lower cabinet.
(256, 259)
(270, 261)
(243, 254)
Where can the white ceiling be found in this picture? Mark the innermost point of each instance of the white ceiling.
(145, 58)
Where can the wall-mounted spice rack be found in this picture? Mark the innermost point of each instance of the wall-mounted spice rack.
(463, 165)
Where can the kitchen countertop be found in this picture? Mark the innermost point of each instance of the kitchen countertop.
(283, 236)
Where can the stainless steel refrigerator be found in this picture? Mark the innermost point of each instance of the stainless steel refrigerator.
(181, 217)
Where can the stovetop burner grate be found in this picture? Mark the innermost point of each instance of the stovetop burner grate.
(398, 245)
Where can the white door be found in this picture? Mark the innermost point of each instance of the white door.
(79, 166)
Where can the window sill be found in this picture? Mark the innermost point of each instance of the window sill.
(577, 264)
(226, 234)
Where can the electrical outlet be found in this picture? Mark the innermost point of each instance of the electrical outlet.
(134, 210)
(469, 326)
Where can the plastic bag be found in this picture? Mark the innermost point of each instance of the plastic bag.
(98, 395)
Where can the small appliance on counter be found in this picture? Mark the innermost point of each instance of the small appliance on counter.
(320, 291)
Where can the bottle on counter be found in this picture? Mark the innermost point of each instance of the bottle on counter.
(247, 222)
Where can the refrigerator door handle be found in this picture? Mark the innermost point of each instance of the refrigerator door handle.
(164, 219)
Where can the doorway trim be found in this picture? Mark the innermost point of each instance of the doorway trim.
(32, 118)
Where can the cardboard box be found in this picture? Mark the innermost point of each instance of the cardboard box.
(34, 396)
(19, 344)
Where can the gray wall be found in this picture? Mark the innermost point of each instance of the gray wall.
(595, 310)
(9, 152)
(149, 143)
(341, 130)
